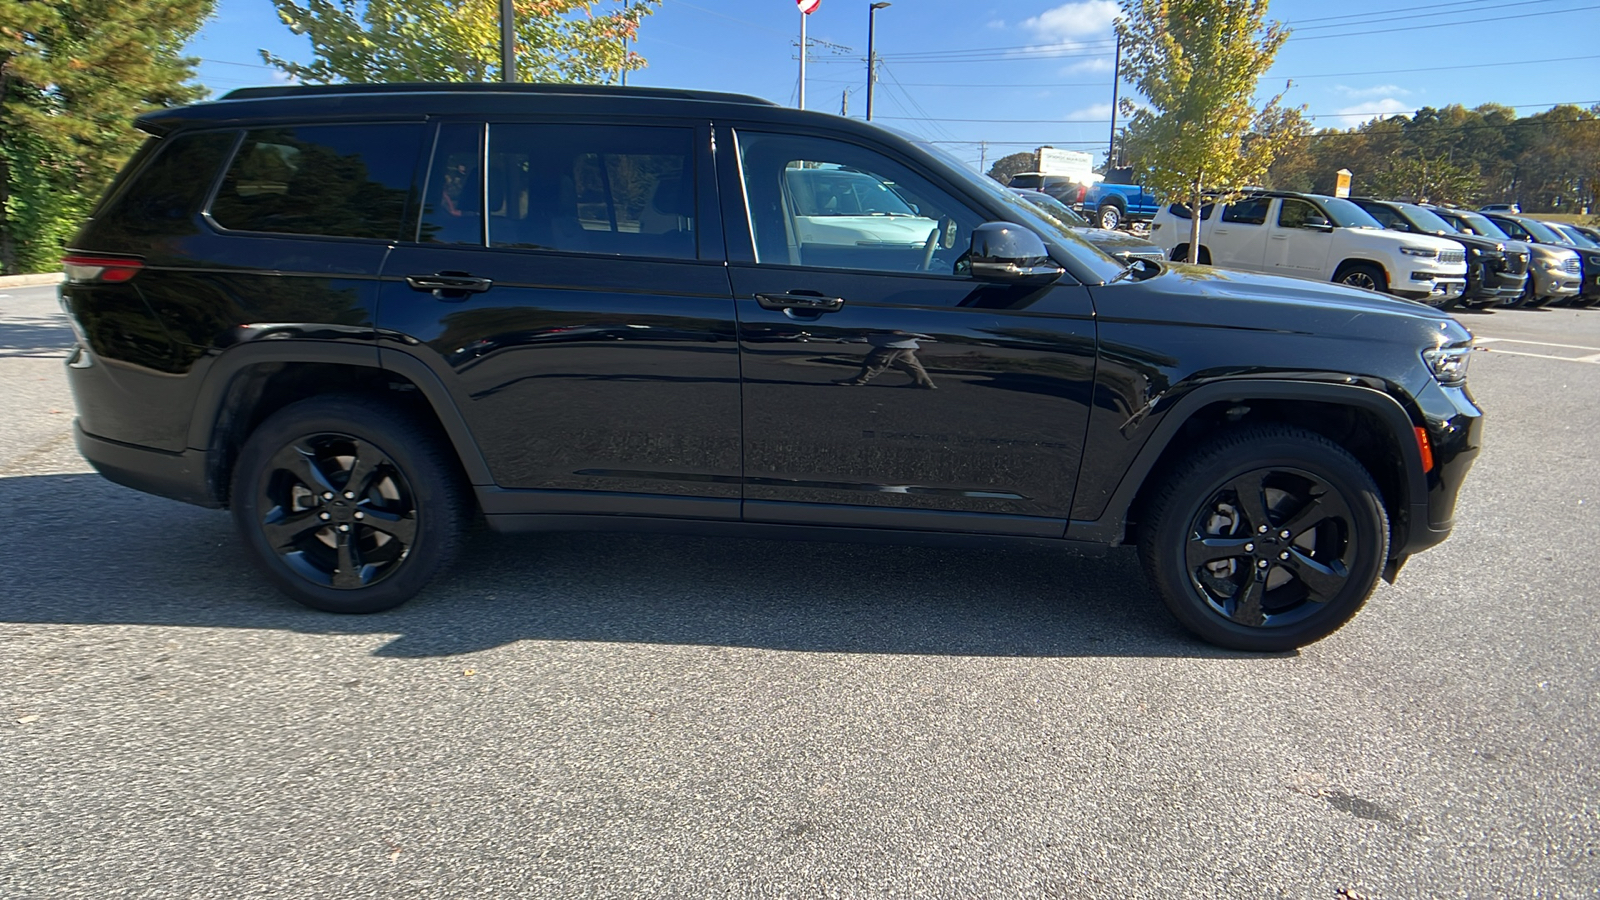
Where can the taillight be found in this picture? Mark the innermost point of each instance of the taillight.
(100, 269)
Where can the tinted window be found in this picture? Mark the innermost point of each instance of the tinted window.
(452, 209)
(1472, 223)
(1181, 210)
(1295, 213)
(823, 203)
(1247, 212)
(329, 180)
(593, 189)
(165, 196)
(1386, 217)
(1513, 228)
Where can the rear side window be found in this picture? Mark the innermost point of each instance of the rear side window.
(1247, 212)
(621, 190)
(1181, 210)
(324, 180)
(165, 196)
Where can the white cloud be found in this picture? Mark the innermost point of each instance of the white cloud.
(1366, 111)
(1097, 112)
(997, 24)
(1071, 22)
(1382, 90)
(1098, 64)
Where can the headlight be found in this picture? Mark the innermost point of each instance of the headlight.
(1448, 364)
(1552, 265)
(1419, 251)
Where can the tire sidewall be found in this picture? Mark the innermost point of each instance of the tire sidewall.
(387, 433)
(1166, 557)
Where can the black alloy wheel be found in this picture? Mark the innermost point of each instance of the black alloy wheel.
(1266, 539)
(347, 505)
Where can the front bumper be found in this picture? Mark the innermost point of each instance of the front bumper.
(1557, 285)
(1455, 430)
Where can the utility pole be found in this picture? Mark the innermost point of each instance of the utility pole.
(1116, 82)
(844, 102)
(872, 56)
(803, 17)
(508, 43)
(983, 155)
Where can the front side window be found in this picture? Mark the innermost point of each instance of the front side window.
(322, 180)
(1386, 217)
(816, 202)
(620, 190)
(1296, 213)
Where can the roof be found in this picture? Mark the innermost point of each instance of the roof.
(489, 87)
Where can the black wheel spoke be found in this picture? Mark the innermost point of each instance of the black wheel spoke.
(301, 462)
(1323, 581)
(348, 574)
(1207, 549)
(401, 528)
(366, 463)
(283, 529)
(1246, 606)
(1252, 499)
(1323, 505)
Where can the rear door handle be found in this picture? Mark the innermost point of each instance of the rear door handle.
(801, 301)
(449, 285)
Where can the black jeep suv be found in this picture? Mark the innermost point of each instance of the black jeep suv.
(1496, 270)
(361, 317)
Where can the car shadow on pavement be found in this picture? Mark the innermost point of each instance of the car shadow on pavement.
(34, 336)
(80, 550)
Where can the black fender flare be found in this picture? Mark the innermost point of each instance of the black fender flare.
(230, 364)
(1109, 528)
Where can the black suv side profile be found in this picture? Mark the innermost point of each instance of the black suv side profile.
(1496, 270)
(361, 317)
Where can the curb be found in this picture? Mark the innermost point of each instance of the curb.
(28, 280)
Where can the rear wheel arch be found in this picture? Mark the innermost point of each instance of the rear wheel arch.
(247, 385)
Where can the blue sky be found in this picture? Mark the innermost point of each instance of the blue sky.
(948, 63)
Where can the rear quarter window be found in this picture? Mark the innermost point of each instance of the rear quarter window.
(351, 181)
(163, 198)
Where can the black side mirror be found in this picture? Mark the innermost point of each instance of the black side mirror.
(1318, 223)
(1011, 253)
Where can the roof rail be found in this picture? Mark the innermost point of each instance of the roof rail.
(592, 90)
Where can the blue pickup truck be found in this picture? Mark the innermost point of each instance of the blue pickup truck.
(1115, 201)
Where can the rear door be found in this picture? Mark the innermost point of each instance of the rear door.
(883, 386)
(1242, 229)
(566, 282)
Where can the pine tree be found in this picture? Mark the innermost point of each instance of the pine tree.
(73, 75)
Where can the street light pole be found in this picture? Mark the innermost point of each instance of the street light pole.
(872, 57)
(803, 18)
(508, 43)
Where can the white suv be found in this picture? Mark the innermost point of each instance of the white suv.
(1312, 236)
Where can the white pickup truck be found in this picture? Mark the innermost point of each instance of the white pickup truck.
(1317, 237)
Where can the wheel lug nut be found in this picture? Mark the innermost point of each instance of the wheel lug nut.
(1249, 548)
(1284, 534)
(1283, 555)
(328, 496)
(325, 516)
(344, 527)
(361, 515)
(1261, 564)
(349, 496)
(1261, 530)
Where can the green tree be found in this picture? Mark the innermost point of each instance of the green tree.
(375, 41)
(73, 75)
(1197, 63)
(1013, 164)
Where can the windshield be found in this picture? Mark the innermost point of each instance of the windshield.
(1348, 215)
(1476, 224)
(1574, 236)
(1054, 207)
(839, 192)
(1426, 221)
(1096, 260)
(1543, 232)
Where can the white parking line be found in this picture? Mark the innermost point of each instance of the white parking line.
(1593, 358)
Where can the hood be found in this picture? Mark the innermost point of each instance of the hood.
(1115, 240)
(1550, 251)
(1408, 239)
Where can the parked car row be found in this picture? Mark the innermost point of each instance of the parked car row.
(1436, 255)
(1120, 244)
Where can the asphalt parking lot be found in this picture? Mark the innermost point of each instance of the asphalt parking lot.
(632, 716)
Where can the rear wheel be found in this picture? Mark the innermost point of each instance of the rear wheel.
(1109, 216)
(1363, 275)
(1265, 539)
(347, 504)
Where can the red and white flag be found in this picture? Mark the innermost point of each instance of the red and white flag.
(808, 6)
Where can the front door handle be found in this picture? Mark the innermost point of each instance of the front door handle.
(449, 285)
(806, 302)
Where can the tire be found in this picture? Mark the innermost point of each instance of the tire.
(1200, 522)
(1363, 275)
(338, 546)
(1528, 299)
(1180, 253)
(1108, 216)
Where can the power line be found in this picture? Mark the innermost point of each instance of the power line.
(1338, 115)
(1532, 15)
(1387, 17)
(1299, 23)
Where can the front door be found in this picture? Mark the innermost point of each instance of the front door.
(578, 309)
(1297, 247)
(882, 385)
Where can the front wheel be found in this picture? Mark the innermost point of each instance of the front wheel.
(1363, 275)
(1110, 217)
(346, 504)
(1265, 539)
